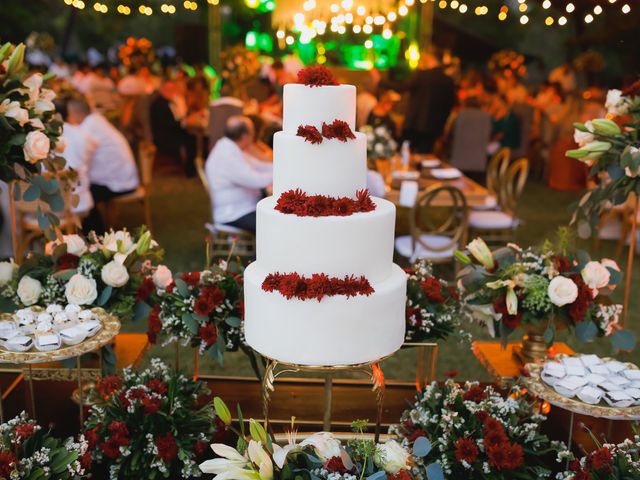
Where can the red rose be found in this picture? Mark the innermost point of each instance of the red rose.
(151, 405)
(582, 476)
(145, 289)
(67, 262)
(25, 430)
(466, 450)
(510, 321)
(200, 448)
(8, 461)
(154, 325)
(202, 307)
(108, 385)
(475, 394)
(561, 264)
(578, 309)
(167, 447)
(86, 462)
(482, 415)
(111, 448)
(191, 278)
(171, 287)
(416, 434)
(119, 433)
(93, 436)
(600, 459)
(208, 333)
(433, 290)
(335, 465)
(157, 385)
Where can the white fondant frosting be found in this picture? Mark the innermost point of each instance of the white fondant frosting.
(305, 105)
(334, 331)
(360, 244)
(334, 168)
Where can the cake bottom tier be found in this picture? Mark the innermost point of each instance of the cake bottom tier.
(334, 331)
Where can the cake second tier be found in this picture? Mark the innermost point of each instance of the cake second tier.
(359, 244)
(306, 105)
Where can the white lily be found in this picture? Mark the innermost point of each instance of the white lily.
(120, 244)
(481, 252)
(325, 445)
(486, 314)
(261, 459)
(230, 466)
(280, 454)
(512, 301)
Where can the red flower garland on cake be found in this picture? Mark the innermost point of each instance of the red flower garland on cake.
(296, 202)
(310, 134)
(338, 129)
(316, 76)
(293, 285)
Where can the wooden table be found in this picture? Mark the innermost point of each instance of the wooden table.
(501, 364)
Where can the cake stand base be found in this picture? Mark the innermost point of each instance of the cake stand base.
(275, 368)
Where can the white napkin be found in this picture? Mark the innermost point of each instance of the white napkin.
(595, 379)
(619, 380)
(599, 369)
(611, 387)
(576, 370)
(615, 366)
(632, 374)
(588, 360)
(618, 399)
(590, 395)
(569, 386)
(19, 343)
(73, 335)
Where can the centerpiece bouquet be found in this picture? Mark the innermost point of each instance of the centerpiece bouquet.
(433, 308)
(30, 137)
(151, 424)
(137, 52)
(540, 290)
(320, 456)
(612, 148)
(380, 142)
(28, 452)
(203, 310)
(114, 271)
(473, 432)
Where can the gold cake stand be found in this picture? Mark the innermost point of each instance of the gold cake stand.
(275, 368)
(110, 328)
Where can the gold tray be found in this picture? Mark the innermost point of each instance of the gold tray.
(538, 387)
(110, 328)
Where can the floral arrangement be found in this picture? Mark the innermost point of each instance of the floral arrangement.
(294, 285)
(514, 287)
(508, 62)
(30, 137)
(607, 462)
(202, 309)
(319, 456)
(114, 271)
(316, 76)
(433, 308)
(337, 129)
(239, 65)
(152, 424)
(28, 452)
(297, 202)
(380, 142)
(136, 52)
(612, 149)
(473, 432)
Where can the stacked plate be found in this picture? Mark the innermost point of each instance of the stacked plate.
(594, 380)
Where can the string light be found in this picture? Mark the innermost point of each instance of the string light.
(548, 21)
(597, 9)
(368, 44)
(524, 19)
(562, 21)
(546, 4)
(626, 8)
(570, 7)
(463, 8)
(588, 18)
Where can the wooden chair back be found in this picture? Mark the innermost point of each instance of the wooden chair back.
(146, 159)
(512, 187)
(497, 169)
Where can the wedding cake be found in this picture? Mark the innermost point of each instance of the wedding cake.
(323, 290)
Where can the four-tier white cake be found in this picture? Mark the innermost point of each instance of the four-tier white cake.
(324, 289)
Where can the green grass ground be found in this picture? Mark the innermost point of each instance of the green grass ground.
(181, 208)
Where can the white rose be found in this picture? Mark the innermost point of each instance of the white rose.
(616, 104)
(562, 291)
(41, 106)
(33, 83)
(114, 274)
(47, 94)
(36, 146)
(15, 111)
(162, 277)
(36, 123)
(75, 244)
(7, 270)
(325, 445)
(61, 145)
(29, 290)
(595, 275)
(81, 290)
(391, 457)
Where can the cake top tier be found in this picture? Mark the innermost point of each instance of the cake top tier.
(317, 98)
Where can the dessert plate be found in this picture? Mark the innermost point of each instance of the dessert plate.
(446, 173)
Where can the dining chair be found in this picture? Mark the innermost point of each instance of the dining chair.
(499, 226)
(438, 226)
(496, 173)
(226, 240)
(142, 194)
(471, 136)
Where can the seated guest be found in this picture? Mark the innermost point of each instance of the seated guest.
(112, 171)
(506, 127)
(236, 179)
(380, 114)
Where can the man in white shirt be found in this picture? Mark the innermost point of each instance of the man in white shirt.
(112, 170)
(236, 179)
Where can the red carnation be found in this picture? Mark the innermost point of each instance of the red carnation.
(289, 285)
(167, 447)
(318, 286)
(319, 206)
(578, 309)
(515, 456)
(582, 476)
(492, 424)
(214, 296)
(93, 436)
(310, 134)
(145, 289)
(291, 201)
(466, 450)
(482, 415)
(475, 394)
(433, 290)
(191, 278)
(363, 202)
(151, 405)
(335, 465)
(107, 385)
(158, 386)
(154, 325)
(25, 430)
(600, 459)
(86, 462)
(202, 307)
(338, 129)
(317, 76)
(67, 262)
(416, 434)
(343, 207)
(8, 461)
(271, 283)
(208, 333)
(497, 456)
(200, 448)
(111, 448)
(561, 264)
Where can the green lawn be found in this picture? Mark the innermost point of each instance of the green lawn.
(181, 208)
